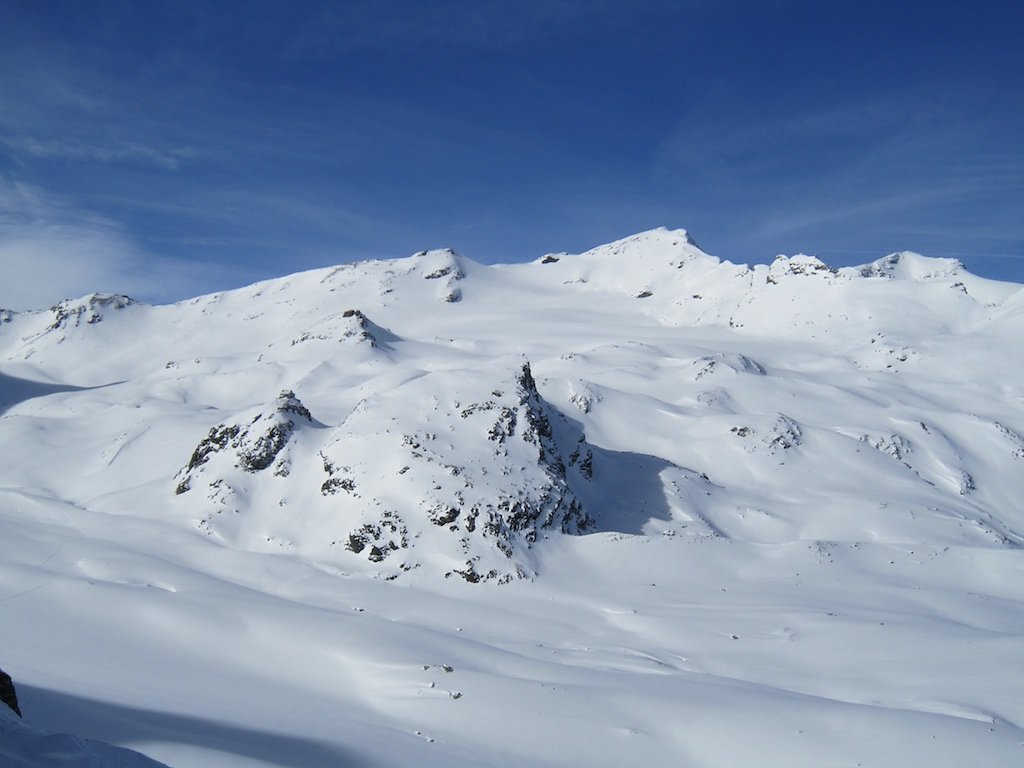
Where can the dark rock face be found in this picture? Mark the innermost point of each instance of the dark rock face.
(389, 534)
(256, 445)
(517, 516)
(559, 505)
(362, 329)
(351, 327)
(217, 440)
(7, 693)
(486, 469)
(67, 314)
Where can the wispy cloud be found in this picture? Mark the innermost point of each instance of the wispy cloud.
(132, 153)
(892, 168)
(51, 250)
(724, 139)
(796, 221)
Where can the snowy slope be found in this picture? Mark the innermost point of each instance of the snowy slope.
(631, 504)
(23, 746)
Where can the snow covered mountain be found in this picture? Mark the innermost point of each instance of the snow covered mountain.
(378, 468)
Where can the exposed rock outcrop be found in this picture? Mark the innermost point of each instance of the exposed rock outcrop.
(256, 445)
(352, 327)
(8, 695)
(90, 310)
(445, 267)
(488, 511)
(457, 472)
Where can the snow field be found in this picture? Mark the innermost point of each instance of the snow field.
(796, 539)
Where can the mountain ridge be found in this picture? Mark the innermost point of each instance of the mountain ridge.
(639, 503)
(434, 325)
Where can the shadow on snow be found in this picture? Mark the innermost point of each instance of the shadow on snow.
(14, 390)
(94, 719)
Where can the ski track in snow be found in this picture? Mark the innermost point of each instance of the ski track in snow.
(633, 506)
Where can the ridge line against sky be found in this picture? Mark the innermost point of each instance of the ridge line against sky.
(166, 150)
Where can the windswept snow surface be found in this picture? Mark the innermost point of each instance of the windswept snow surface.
(635, 506)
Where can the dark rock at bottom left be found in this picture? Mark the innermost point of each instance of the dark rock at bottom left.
(7, 693)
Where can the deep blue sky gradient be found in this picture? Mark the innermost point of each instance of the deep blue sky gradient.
(170, 148)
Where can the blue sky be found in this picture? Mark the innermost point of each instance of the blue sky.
(165, 149)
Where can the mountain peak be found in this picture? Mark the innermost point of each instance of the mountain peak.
(653, 243)
(908, 265)
(90, 309)
(800, 264)
(444, 266)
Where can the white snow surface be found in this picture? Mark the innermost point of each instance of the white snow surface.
(635, 506)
